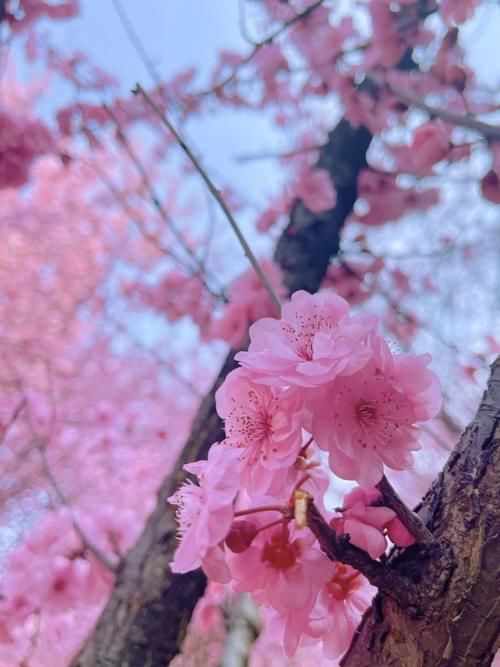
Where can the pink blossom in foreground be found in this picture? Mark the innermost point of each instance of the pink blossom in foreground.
(330, 621)
(344, 599)
(363, 523)
(314, 341)
(370, 419)
(205, 513)
(366, 522)
(263, 424)
(284, 567)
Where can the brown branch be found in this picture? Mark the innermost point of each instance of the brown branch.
(401, 585)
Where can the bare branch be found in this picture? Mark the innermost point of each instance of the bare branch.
(215, 192)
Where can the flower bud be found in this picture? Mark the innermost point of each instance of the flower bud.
(241, 536)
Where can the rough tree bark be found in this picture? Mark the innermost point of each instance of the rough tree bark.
(457, 621)
(145, 620)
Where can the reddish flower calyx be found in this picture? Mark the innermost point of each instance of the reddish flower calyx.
(241, 536)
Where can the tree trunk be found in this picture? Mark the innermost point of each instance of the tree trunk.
(457, 623)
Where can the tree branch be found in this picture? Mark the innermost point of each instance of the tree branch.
(459, 623)
(214, 192)
(394, 584)
(488, 131)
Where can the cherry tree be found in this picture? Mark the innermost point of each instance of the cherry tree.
(335, 510)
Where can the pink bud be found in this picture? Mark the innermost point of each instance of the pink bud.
(241, 536)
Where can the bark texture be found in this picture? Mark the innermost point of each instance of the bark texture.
(145, 620)
(455, 621)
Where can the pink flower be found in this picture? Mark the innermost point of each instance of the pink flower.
(314, 341)
(490, 187)
(369, 419)
(205, 513)
(367, 523)
(386, 201)
(363, 523)
(315, 189)
(331, 620)
(344, 599)
(431, 143)
(386, 46)
(294, 629)
(269, 61)
(22, 139)
(248, 302)
(283, 567)
(263, 424)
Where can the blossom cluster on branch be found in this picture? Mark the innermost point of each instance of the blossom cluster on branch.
(318, 379)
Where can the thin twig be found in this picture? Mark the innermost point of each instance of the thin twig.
(278, 156)
(214, 191)
(99, 555)
(488, 131)
(259, 45)
(41, 444)
(4, 428)
(149, 188)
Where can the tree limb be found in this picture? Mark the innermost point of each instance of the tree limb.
(459, 623)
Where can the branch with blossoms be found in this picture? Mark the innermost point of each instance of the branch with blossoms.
(256, 517)
(402, 589)
(487, 130)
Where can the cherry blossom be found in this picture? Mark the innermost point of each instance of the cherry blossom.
(366, 521)
(316, 190)
(370, 419)
(248, 302)
(431, 143)
(22, 139)
(314, 341)
(205, 513)
(282, 568)
(264, 426)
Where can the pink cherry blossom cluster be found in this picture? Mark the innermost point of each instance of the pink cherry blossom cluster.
(317, 379)
(22, 139)
(22, 13)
